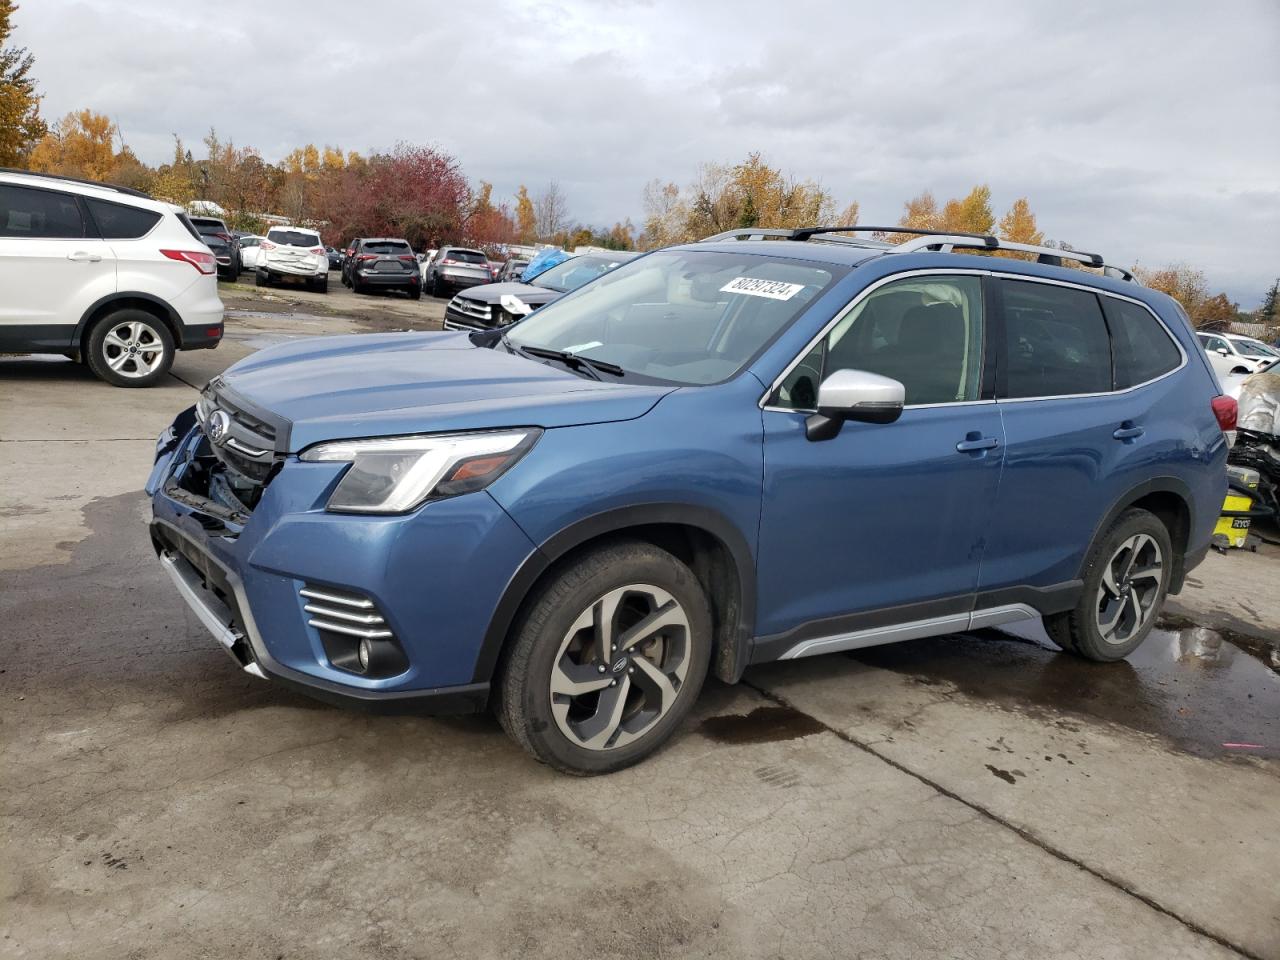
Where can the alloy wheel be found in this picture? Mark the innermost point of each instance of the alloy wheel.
(620, 667)
(1130, 585)
(133, 349)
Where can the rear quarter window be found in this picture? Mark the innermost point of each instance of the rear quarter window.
(1143, 348)
(1056, 341)
(119, 222)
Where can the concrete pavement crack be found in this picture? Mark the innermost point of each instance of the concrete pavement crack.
(1022, 832)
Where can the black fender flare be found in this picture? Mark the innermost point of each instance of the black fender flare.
(170, 315)
(1164, 484)
(614, 521)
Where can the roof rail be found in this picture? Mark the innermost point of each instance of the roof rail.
(128, 191)
(941, 240)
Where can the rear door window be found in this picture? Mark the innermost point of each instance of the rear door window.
(39, 214)
(1056, 341)
(1143, 348)
(119, 222)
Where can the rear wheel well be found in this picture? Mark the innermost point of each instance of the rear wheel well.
(1171, 510)
(127, 303)
(705, 554)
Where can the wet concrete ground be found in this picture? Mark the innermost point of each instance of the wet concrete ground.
(979, 795)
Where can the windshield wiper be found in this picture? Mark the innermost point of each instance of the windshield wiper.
(575, 360)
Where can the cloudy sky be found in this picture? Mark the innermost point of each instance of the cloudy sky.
(1147, 131)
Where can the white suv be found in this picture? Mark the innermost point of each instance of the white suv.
(1230, 353)
(293, 252)
(104, 275)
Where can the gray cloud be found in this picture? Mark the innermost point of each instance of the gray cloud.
(1145, 131)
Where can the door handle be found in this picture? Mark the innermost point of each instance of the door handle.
(81, 256)
(1129, 432)
(976, 444)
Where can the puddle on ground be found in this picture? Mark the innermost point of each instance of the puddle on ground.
(761, 725)
(1190, 685)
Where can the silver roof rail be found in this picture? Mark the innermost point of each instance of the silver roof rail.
(751, 233)
(1052, 256)
(799, 233)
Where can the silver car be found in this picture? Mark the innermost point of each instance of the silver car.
(453, 268)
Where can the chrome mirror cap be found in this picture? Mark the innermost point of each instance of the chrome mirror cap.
(855, 395)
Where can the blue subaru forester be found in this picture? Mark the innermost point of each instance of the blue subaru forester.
(768, 445)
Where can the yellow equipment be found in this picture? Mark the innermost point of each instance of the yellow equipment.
(1234, 530)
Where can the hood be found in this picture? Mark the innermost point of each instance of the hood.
(531, 294)
(332, 388)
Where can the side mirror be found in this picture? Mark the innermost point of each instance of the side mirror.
(854, 395)
(1223, 352)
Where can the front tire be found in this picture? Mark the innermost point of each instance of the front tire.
(607, 661)
(1125, 583)
(130, 348)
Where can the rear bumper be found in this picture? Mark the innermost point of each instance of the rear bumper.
(292, 269)
(376, 279)
(462, 280)
(203, 336)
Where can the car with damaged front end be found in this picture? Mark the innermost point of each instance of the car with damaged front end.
(762, 447)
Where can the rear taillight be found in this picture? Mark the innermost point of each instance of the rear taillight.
(224, 237)
(367, 256)
(317, 250)
(1225, 409)
(408, 257)
(201, 260)
(267, 245)
(449, 262)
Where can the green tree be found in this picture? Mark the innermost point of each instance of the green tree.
(20, 124)
(1269, 312)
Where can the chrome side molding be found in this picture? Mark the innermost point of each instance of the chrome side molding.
(912, 630)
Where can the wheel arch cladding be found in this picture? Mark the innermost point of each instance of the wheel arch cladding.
(1169, 499)
(708, 544)
(129, 301)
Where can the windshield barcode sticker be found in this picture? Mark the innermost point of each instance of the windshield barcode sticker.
(754, 287)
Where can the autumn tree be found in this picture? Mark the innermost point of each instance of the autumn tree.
(487, 224)
(971, 213)
(526, 216)
(20, 124)
(81, 144)
(1216, 311)
(1019, 226)
(663, 215)
(1180, 281)
(918, 213)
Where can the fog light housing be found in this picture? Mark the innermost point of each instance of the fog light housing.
(362, 654)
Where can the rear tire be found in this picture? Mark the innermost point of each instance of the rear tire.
(323, 285)
(580, 687)
(261, 279)
(415, 293)
(1126, 580)
(437, 288)
(130, 348)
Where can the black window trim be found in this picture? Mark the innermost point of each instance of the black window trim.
(91, 231)
(1099, 294)
(92, 221)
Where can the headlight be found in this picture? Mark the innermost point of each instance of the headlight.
(399, 473)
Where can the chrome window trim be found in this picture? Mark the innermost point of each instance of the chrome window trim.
(998, 274)
(848, 308)
(1101, 293)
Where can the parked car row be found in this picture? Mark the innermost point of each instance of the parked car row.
(384, 263)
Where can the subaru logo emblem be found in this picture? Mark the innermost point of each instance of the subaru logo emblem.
(218, 425)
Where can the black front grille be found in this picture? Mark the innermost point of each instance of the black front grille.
(248, 441)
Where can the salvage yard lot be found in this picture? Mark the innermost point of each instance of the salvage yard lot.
(964, 796)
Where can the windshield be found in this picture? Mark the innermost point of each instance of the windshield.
(1250, 349)
(294, 238)
(689, 317)
(572, 274)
